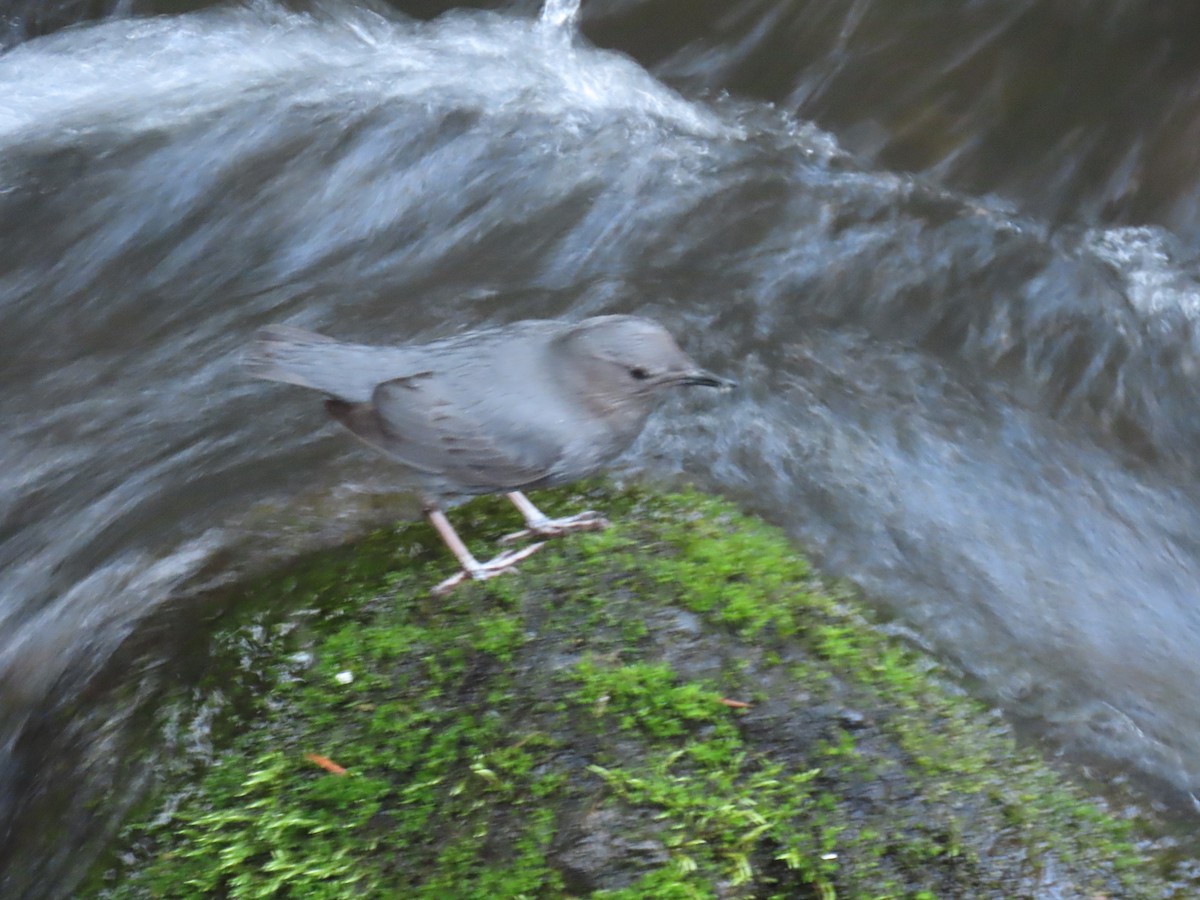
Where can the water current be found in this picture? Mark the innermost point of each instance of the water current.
(956, 279)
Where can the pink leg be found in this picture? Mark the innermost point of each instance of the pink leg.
(471, 567)
(538, 524)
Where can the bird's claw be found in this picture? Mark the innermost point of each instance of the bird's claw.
(505, 562)
(545, 528)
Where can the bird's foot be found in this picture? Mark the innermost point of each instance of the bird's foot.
(505, 562)
(546, 527)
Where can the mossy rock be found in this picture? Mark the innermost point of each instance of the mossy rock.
(675, 707)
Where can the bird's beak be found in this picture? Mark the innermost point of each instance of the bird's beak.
(707, 379)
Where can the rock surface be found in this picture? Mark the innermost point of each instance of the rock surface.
(677, 707)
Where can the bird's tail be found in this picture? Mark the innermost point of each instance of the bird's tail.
(347, 371)
(340, 369)
(294, 356)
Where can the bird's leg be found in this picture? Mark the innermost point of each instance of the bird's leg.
(471, 567)
(538, 524)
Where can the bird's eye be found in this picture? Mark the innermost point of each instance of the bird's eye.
(639, 373)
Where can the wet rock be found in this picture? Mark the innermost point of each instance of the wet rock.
(605, 849)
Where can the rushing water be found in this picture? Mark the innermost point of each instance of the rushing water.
(980, 408)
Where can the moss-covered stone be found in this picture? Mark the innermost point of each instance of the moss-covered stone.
(675, 707)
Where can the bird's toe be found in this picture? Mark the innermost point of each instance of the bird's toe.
(498, 565)
(588, 520)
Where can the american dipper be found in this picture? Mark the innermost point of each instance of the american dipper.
(529, 405)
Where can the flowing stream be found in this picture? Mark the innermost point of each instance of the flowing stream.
(971, 390)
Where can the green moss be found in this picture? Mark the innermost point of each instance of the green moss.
(563, 731)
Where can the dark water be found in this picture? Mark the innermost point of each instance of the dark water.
(970, 389)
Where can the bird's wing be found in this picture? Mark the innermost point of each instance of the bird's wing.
(431, 427)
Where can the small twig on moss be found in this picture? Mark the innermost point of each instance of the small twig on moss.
(325, 763)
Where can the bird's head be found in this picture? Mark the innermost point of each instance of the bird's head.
(628, 361)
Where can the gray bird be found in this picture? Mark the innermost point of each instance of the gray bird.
(529, 405)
